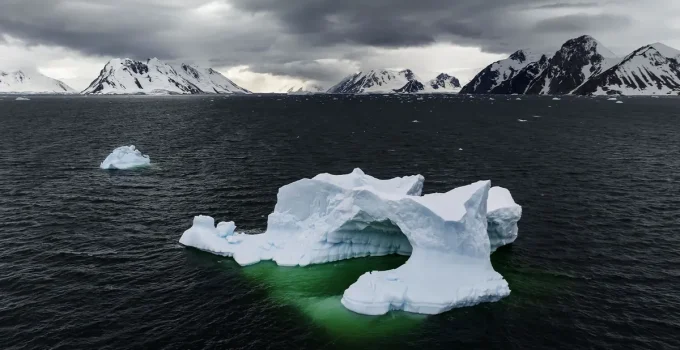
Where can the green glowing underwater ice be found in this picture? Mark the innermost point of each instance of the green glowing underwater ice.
(317, 289)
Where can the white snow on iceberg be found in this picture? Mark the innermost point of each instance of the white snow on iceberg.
(330, 218)
(125, 157)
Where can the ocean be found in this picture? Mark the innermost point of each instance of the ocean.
(90, 259)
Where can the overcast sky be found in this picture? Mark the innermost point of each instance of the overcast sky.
(265, 45)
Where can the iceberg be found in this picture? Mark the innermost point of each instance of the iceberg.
(125, 157)
(448, 236)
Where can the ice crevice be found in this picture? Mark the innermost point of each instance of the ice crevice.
(449, 237)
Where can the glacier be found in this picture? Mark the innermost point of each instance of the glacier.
(125, 157)
(448, 236)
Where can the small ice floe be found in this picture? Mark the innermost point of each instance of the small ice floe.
(492, 99)
(612, 99)
(126, 157)
(556, 98)
(460, 149)
(518, 99)
(537, 116)
(522, 120)
(416, 121)
(22, 99)
(619, 101)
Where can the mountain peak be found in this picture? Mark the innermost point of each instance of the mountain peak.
(665, 50)
(589, 43)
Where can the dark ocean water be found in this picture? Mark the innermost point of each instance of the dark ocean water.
(89, 259)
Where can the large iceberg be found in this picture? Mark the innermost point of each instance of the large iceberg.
(125, 157)
(336, 217)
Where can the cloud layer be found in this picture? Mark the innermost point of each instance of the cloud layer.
(322, 40)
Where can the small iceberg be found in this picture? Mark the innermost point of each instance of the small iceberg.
(22, 99)
(619, 101)
(556, 98)
(612, 99)
(125, 157)
(416, 121)
(521, 120)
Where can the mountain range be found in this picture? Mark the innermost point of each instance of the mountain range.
(392, 81)
(582, 66)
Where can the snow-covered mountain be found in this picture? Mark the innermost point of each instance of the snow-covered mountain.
(494, 79)
(373, 81)
(32, 82)
(303, 89)
(390, 81)
(126, 76)
(445, 83)
(560, 73)
(650, 70)
(572, 65)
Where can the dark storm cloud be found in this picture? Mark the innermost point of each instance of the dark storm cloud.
(582, 22)
(491, 24)
(288, 37)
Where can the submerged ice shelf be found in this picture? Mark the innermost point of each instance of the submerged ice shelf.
(449, 237)
(125, 157)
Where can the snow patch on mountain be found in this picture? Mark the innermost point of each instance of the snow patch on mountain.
(32, 82)
(127, 76)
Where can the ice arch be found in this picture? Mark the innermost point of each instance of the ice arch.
(330, 218)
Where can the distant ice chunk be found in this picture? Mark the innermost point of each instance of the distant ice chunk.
(22, 99)
(125, 157)
(335, 217)
(619, 102)
(521, 120)
(556, 98)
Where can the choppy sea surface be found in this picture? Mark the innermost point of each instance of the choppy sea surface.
(89, 259)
